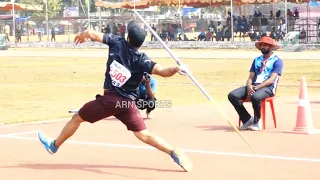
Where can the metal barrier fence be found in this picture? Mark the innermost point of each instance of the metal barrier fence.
(244, 28)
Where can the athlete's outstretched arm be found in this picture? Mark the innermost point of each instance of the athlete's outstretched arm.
(89, 34)
(165, 72)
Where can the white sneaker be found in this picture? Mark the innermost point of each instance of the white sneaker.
(246, 125)
(257, 126)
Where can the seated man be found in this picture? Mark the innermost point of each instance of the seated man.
(3, 41)
(273, 33)
(227, 34)
(202, 35)
(253, 36)
(262, 82)
(147, 90)
(302, 35)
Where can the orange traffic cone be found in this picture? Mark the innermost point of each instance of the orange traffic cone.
(304, 123)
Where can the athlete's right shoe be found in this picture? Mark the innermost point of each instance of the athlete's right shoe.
(182, 160)
(247, 125)
(47, 143)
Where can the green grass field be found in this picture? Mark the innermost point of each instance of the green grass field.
(35, 88)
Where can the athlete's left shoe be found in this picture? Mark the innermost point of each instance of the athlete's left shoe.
(182, 160)
(47, 143)
(257, 126)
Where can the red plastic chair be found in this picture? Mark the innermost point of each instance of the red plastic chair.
(263, 109)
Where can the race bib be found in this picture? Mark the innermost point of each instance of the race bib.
(119, 74)
(260, 78)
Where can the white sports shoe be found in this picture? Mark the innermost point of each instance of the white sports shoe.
(257, 126)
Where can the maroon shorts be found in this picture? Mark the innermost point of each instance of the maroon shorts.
(112, 104)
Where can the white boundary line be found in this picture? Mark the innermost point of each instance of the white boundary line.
(17, 134)
(34, 123)
(204, 152)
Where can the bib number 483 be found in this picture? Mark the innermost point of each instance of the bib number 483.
(119, 74)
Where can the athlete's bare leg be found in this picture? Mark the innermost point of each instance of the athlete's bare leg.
(158, 143)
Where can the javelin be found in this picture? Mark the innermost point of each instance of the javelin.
(194, 80)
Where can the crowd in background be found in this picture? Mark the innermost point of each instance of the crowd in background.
(255, 26)
(252, 27)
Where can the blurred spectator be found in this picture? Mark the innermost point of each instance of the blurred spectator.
(278, 14)
(302, 34)
(155, 30)
(185, 38)
(108, 30)
(114, 29)
(227, 34)
(296, 14)
(6, 30)
(122, 30)
(271, 15)
(202, 35)
(53, 34)
(289, 13)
